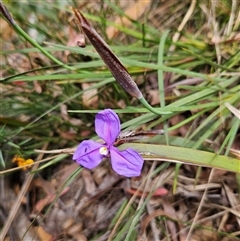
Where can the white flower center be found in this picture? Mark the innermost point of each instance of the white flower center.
(103, 151)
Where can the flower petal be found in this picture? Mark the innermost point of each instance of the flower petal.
(127, 163)
(87, 154)
(107, 125)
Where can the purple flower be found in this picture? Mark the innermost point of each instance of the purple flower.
(89, 153)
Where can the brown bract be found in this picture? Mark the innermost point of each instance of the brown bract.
(117, 69)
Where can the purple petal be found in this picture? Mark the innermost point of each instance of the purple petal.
(107, 125)
(127, 163)
(87, 154)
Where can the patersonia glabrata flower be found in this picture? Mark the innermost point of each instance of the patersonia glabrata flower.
(89, 153)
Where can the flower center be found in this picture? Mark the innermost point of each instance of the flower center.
(103, 151)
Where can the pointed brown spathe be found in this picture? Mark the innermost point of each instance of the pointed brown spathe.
(117, 69)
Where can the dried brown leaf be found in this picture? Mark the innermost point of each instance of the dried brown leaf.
(90, 97)
(134, 11)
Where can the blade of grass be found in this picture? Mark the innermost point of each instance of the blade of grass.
(185, 155)
(8, 16)
(161, 86)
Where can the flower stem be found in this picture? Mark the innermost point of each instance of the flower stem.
(153, 110)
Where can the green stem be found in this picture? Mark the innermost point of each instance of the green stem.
(153, 110)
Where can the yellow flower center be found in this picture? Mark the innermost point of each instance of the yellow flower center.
(103, 151)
